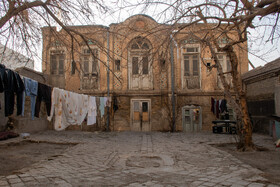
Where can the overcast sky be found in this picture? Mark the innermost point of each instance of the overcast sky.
(260, 50)
(123, 9)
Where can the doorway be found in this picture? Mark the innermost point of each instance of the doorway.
(192, 118)
(140, 115)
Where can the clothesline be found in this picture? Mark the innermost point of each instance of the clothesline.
(218, 106)
(69, 107)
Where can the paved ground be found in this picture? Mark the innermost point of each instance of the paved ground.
(138, 159)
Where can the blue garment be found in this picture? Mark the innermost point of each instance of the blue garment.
(101, 106)
(31, 89)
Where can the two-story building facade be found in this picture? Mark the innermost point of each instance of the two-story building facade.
(138, 54)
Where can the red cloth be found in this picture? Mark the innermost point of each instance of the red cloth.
(7, 135)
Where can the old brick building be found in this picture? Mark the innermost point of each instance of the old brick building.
(140, 59)
(263, 94)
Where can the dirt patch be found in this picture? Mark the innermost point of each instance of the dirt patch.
(144, 161)
(15, 156)
(264, 159)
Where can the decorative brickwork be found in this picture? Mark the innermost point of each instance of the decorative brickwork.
(142, 72)
(163, 80)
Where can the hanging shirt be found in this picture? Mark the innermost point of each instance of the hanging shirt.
(223, 106)
(115, 104)
(56, 108)
(102, 105)
(212, 104)
(215, 109)
(31, 89)
(91, 118)
(70, 108)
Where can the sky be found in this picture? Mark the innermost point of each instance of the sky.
(261, 49)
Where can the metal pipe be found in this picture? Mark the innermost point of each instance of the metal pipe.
(172, 84)
(108, 78)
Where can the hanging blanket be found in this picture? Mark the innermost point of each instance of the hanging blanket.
(69, 108)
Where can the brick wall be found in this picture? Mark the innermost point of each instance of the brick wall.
(261, 88)
(121, 35)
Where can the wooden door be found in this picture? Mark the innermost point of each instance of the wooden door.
(192, 118)
(140, 115)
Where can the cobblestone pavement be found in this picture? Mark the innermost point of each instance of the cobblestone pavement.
(137, 159)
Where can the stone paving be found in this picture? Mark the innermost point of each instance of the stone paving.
(137, 159)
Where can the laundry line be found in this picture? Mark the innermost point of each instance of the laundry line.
(70, 101)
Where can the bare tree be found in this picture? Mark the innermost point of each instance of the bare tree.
(21, 20)
(227, 18)
(232, 20)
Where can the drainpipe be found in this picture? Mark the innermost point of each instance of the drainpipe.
(172, 84)
(108, 78)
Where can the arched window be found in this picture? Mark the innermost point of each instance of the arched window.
(140, 63)
(140, 43)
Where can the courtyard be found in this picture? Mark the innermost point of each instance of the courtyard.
(76, 158)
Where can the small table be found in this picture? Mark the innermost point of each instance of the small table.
(224, 126)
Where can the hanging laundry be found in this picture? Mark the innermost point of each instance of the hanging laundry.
(102, 105)
(115, 104)
(3, 78)
(75, 107)
(212, 104)
(70, 108)
(19, 92)
(223, 106)
(13, 86)
(217, 108)
(220, 102)
(56, 108)
(44, 94)
(91, 119)
(9, 93)
(31, 90)
(108, 101)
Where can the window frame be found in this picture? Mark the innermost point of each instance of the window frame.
(190, 73)
(56, 67)
(191, 55)
(91, 60)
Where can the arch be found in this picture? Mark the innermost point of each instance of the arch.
(140, 64)
(140, 43)
(140, 16)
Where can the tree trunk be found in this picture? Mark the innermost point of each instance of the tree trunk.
(245, 142)
(244, 124)
(238, 102)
